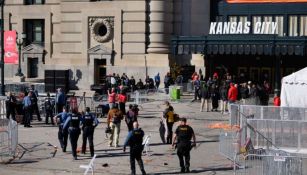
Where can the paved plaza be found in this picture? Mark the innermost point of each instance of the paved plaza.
(41, 158)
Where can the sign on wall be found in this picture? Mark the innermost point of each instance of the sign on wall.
(10, 50)
(223, 28)
(265, 1)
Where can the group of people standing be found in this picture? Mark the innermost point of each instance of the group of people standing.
(221, 92)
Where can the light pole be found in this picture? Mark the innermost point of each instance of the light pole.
(2, 48)
(19, 43)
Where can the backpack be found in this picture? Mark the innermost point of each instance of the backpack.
(170, 117)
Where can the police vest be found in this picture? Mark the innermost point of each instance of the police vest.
(184, 134)
(88, 120)
(137, 138)
(75, 121)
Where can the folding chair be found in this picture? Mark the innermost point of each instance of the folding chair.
(90, 166)
(146, 142)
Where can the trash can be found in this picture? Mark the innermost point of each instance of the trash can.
(177, 93)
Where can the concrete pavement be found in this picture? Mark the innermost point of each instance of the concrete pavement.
(40, 139)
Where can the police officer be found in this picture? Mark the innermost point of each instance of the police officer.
(134, 140)
(184, 134)
(34, 100)
(89, 122)
(11, 106)
(73, 124)
(62, 133)
(27, 109)
(49, 106)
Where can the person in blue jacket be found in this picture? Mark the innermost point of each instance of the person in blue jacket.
(60, 119)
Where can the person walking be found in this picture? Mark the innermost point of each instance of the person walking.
(11, 106)
(27, 106)
(49, 106)
(113, 121)
(89, 123)
(168, 118)
(135, 140)
(223, 97)
(183, 135)
(131, 117)
(73, 125)
(63, 132)
(157, 80)
(214, 97)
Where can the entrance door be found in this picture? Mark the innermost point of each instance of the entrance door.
(32, 67)
(100, 71)
(254, 73)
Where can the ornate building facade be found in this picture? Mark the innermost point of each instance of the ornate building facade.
(94, 38)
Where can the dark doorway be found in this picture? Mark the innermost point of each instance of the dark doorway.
(33, 67)
(100, 71)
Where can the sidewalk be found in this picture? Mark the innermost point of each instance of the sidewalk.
(204, 160)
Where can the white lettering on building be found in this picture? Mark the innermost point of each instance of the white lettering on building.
(222, 28)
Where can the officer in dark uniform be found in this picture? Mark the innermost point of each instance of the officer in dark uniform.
(73, 124)
(34, 100)
(134, 140)
(89, 122)
(184, 134)
(49, 106)
(62, 133)
(11, 106)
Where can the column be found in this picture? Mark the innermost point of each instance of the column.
(160, 26)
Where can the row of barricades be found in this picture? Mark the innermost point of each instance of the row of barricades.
(265, 140)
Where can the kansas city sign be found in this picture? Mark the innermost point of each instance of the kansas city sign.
(222, 28)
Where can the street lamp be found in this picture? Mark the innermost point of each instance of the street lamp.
(19, 43)
(2, 48)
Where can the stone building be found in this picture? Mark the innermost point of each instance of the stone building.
(93, 38)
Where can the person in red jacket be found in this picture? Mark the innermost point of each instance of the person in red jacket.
(232, 93)
(276, 100)
(122, 99)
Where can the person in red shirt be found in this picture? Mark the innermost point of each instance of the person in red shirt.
(122, 99)
(73, 103)
(232, 93)
(111, 98)
(276, 100)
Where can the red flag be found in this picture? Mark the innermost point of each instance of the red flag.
(10, 50)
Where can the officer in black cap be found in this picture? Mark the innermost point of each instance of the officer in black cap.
(73, 124)
(183, 134)
(89, 122)
(135, 140)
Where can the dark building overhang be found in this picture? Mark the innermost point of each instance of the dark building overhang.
(239, 44)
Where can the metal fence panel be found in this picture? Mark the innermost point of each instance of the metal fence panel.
(8, 138)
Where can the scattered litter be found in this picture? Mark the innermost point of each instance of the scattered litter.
(105, 165)
(165, 164)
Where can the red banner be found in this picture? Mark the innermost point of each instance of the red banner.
(10, 50)
(265, 1)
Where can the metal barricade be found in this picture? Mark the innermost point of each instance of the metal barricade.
(8, 139)
(229, 144)
(271, 162)
(2, 107)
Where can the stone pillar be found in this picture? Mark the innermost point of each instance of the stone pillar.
(160, 23)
